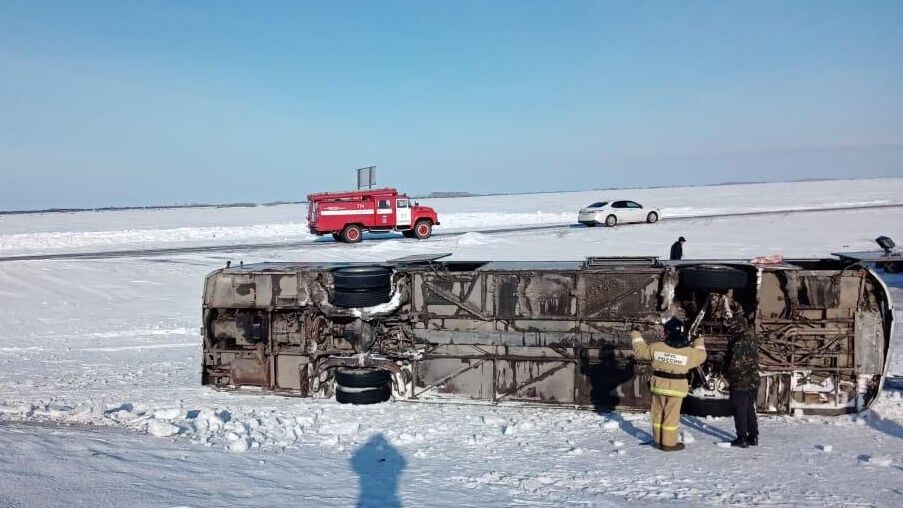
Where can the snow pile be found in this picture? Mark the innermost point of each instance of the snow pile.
(161, 429)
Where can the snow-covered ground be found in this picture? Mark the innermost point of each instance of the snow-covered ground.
(162, 228)
(100, 403)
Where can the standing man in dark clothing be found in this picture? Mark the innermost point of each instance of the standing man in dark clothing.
(677, 249)
(743, 375)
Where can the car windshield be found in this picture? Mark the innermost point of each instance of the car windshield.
(598, 204)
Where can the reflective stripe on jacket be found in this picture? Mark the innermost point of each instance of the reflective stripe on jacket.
(671, 360)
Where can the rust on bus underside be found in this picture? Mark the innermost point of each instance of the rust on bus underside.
(545, 332)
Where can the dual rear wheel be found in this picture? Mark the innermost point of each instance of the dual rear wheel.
(364, 385)
(361, 286)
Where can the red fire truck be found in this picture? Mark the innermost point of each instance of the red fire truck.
(346, 215)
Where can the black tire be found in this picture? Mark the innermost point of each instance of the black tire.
(372, 396)
(337, 237)
(423, 229)
(361, 277)
(408, 234)
(695, 406)
(611, 221)
(352, 233)
(367, 297)
(713, 278)
(652, 218)
(363, 377)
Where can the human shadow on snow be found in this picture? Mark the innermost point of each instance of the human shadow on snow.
(627, 426)
(692, 422)
(378, 466)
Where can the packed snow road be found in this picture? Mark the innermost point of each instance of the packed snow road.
(101, 405)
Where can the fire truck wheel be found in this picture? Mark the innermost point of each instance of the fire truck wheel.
(361, 277)
(337, 237)
(364, 377)
(374, 395)
(423, 229)
(351, 233)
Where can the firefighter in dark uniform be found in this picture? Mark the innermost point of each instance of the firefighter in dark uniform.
(742, 372)
(671, 361)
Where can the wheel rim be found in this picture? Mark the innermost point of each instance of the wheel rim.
(423, 230)
(611, 221)
(653, 217)
(352, 234)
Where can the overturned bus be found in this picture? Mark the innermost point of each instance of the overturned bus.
(544, 332)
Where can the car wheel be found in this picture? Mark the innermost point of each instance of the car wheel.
(351, 233)
(363, 377)
(697, 406)
(611, 221)
(423, 229)
(360, 396)
(652, 217)
(713, 278)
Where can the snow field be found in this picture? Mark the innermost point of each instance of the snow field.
(100, 396)
(542, 456)
(166, 228)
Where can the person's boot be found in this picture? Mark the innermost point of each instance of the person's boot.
(752, 439)
(740, 442)
(676, 448)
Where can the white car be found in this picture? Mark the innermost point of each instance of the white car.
(612, 213)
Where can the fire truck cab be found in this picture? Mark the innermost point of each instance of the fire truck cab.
(346, 215)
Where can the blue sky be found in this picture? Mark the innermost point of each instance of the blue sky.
(134, 103)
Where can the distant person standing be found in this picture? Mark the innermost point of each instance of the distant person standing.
(677, 249)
